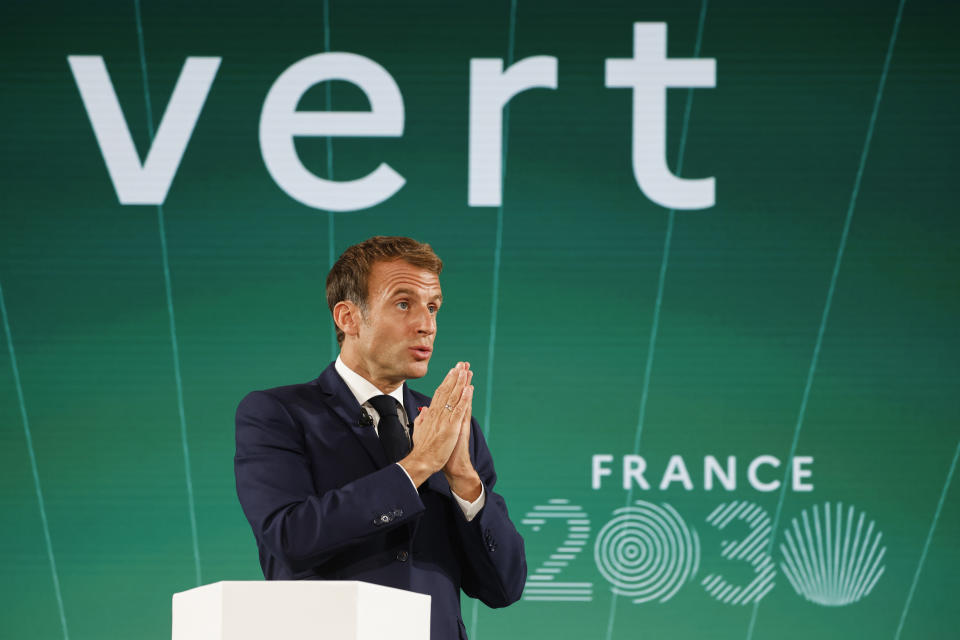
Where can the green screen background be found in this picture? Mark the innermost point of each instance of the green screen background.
(591, 330)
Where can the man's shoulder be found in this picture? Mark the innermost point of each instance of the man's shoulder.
(289, 394)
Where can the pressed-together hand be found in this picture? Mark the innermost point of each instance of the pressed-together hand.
(459, 471)
(437, 429)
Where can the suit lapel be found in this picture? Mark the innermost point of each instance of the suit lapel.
(345, 406)
(410, 405)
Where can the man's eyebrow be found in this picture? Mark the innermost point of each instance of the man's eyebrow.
(410, 292)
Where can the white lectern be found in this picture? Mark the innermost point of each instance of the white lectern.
(300, 610)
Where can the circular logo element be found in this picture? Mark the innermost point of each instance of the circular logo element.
(647, 552)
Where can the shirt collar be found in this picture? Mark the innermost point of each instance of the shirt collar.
(361, 388)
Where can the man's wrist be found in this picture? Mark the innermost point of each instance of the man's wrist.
(465, 483)
(418, 470)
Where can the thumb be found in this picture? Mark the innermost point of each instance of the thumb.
(421, 416)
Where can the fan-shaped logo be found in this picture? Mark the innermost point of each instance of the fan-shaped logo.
(647, 552)
(835, 562)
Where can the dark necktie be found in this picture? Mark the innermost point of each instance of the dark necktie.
(393, 436)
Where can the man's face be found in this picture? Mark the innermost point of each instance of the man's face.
(395, 338)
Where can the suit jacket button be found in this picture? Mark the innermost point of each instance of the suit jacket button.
(402, 556)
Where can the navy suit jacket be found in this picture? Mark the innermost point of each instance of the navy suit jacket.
(325, 504)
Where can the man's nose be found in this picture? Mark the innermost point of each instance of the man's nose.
(426, 322)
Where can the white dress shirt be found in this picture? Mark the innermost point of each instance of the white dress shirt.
(362, 389)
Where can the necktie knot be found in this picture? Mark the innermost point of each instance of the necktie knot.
(393, 436)
(384, 405)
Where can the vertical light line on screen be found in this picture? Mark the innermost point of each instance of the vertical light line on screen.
(498, 243)
(170, 315)
(33, 465)
(334, 347)
(926, 545)
(655, 326)
(497, 249)
(830, 291)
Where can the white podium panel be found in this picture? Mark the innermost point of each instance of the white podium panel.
(300, 610)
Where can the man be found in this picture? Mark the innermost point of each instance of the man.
(354, 476)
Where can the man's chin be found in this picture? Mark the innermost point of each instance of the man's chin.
(417, 370)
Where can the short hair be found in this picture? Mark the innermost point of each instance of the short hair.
(349, 277)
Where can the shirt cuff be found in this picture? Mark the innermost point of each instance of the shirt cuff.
(412, 483)
(471, 509)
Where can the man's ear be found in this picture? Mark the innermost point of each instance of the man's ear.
(347, 316)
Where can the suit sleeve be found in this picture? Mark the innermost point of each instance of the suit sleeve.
(276, 491)
(495, 565)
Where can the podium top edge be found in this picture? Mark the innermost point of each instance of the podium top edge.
(282, 585)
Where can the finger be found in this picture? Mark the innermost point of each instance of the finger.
(454, 383)
(446, 387)
(458, 386)
(450, 414)
(465, 402)
(468, 410)
(468, 405)
(449, 397)
(446, 402)
(458, 394)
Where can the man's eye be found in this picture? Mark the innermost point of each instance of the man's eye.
(433, 309)
(403, 305)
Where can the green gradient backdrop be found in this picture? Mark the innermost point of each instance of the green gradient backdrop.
(88, 385)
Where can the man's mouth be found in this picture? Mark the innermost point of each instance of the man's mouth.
(421, 353)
